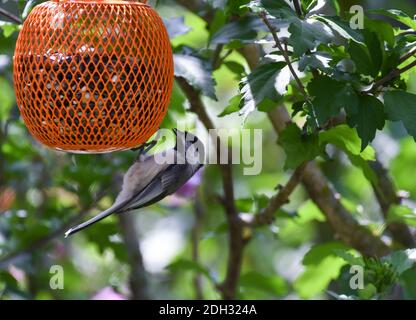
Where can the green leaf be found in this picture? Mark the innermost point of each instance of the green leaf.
(367, 58)
(402, 260)
(278, 9)
(368, 292)
(307, 35)
(188, 265)
(368, 119)
(321, 266)
(6, 98)
(353, 260)
(316, 60)
(397, 15)
(402, 213)
(270, 284)
(330, 96)
(101, 237)
(298, 147)
(233, 106)
(408, 282)
(252, 204)
(320, 251)
(368, 172)
(401, 106)
(197, 72)
(244, 30)
(8, 28)
(382, 29)
(342, 28)
(267, 81)
(347, 140)
(237, 7)
(402, 166)
(235, 67)
(309, 212)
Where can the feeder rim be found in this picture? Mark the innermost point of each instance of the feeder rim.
(112, 2)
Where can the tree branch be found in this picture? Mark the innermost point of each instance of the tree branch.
(387, 196)
(408, 55)
(138, 281)
(391, 75)
(266, 216)
(195, 236)
(235, 224)
(298, 8)
(342, 222)
(276, 39)
(11, 16)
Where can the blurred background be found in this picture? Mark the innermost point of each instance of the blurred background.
(183, 238)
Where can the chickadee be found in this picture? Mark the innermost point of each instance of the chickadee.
(147, 181)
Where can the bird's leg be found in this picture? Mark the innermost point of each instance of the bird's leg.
(144, 148)
(148, 146)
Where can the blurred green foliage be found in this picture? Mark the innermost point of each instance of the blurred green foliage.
(298, 256)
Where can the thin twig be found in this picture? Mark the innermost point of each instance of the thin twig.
(298, 8)
(390, 76)
(11, 16)
(387, 196)
(266, 215)
(408, 55)
(276, 39)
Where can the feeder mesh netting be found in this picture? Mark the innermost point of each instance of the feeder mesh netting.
(93, 76)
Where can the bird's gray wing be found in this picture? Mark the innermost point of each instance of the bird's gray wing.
(164, 184)
(138, 177)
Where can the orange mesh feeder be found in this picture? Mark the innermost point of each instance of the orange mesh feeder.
(93, 75)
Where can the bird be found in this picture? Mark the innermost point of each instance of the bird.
(148, 181)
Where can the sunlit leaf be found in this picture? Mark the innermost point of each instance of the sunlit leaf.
(397, 15)
(298, 147)
(267, 81)
(270, 284)
(321, 266)
(307, 35)
(197, 72)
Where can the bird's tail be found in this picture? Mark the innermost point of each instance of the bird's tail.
(93, 220)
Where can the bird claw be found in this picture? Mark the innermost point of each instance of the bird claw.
(144, 148)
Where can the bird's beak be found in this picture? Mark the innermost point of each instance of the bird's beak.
(175, 131)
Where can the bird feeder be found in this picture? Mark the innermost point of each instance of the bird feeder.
(93, 75)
